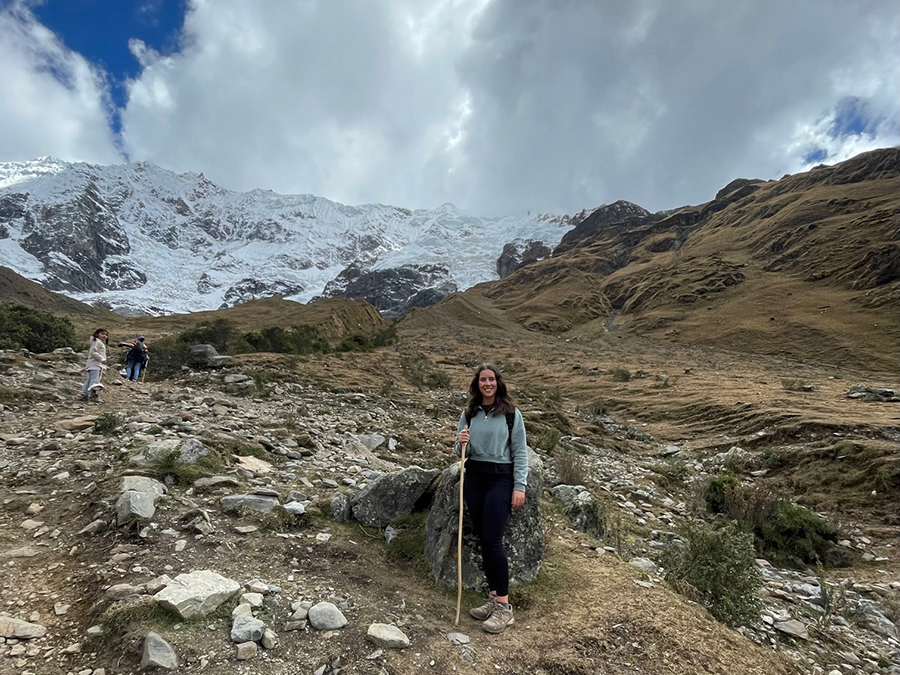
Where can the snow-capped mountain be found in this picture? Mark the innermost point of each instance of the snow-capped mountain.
(141, 239)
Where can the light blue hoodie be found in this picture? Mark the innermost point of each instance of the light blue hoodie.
(490, 441)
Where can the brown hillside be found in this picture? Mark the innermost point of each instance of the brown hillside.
(796, 266)
(335, 317)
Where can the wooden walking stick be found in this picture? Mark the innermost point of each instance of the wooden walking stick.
(459, 536)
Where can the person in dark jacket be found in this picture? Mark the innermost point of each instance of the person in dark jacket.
(496, 476)
(136, 358)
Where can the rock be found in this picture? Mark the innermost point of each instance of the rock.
(581, 508)
(524, 537)
(340, 507)
(255, 465)
(793, 628)
(245, 650)
(191, 450)
(246, 628)
(77, 424)
(23, 552)
(135, 506)
(196, 594)
(269, 639)
(207, 356)
(254, 502)
(458, 638)
(216, 481)
(325, 616)
(387, 636)
(158, 653)
(645, 565)
(143, 484)
(20, 630)
(392, 495)
(123, 591)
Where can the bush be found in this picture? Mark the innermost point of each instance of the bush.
(794, 384)
(108, 422)
(716, 565)
(167, 356)
(793, 533)
(185, 473)
(36, 331)
(620, 374)
(546, 439)
(571, 467)
(784, 532)
(717, 491)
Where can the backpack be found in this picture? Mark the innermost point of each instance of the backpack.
(510, 420)
(136, 354)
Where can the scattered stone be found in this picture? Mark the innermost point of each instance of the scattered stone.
(326, 616)
(20, 630)
(245, 650)
(158, 653)
(246, 628)
(387, 636)
(793, 628)
(458, 638)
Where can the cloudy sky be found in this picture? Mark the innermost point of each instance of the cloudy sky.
(497, 106)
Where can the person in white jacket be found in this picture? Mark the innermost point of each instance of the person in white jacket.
(96, 363)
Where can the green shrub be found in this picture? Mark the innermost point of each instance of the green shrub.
(717, 491)
(220, 333)
(108, 422)
(23, 327)
(716, 567)
(7, 395)
(167, 356)
(784, 532)
(793, 532)
(620, 374)
(185, 473)
(546, 439)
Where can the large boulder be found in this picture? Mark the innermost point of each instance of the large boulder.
(393, 495)
(524, 537)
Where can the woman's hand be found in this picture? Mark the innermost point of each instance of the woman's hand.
(518, 499)
(463, 436)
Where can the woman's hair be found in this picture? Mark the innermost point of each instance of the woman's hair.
(502, 402)
(96, 335)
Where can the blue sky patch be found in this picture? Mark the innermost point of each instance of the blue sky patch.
(99, 30)
(852, 118)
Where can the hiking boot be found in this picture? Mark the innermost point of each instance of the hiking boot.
(485, 611)
(500, 618)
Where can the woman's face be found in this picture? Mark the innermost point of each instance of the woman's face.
(102, 335)
(487, 385)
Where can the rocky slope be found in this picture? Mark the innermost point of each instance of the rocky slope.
(86, 562)
(814, 254)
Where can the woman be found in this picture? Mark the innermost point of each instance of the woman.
(96, 363)
(496, 477)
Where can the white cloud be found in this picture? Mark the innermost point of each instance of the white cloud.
(495, 105)
(53, 101)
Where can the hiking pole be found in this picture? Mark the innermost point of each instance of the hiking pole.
(459, 536)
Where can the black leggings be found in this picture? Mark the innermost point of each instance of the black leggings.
(489, 501)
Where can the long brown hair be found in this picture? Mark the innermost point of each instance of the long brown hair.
(96, 335)
(502, 402)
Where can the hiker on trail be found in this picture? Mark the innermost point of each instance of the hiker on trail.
(496, 475)
(136, 358)
(96, 364)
